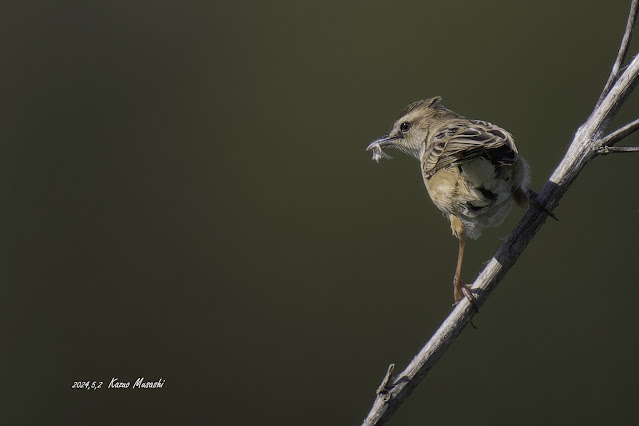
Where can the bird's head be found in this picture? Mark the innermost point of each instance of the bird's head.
(410, 131)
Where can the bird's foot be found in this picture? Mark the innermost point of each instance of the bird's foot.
(462, 290)
(532, 199)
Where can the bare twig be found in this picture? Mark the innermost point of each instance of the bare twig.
(619, 134)
(623, 49)
(383, 387)
(605, 150)
(586, 144)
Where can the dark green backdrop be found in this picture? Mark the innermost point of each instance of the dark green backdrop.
(186, 196)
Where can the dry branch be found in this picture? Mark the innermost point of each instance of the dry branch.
(621, 133)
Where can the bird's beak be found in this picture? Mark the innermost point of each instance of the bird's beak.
(376, 147)
(382, 142)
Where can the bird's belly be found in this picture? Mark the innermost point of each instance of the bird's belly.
(477, 192)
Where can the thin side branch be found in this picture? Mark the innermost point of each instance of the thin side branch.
(383, 387)
(605, 150)
(623, 50)
(585, 146)
(619, 134)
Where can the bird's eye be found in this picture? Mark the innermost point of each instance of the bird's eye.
(404, 127)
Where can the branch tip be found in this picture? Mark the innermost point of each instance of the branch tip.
(383, 387)
(621, 54)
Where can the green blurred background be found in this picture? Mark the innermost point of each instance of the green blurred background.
(186, 196)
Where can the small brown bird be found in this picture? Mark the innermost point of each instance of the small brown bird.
(471, 169)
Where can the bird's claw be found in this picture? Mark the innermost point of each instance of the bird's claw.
(463, 290)
(532, 199)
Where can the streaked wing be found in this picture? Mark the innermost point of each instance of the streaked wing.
(466, 140)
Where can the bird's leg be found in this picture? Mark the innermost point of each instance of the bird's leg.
(459, 288)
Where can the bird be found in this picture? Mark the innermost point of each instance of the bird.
(471, 169)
